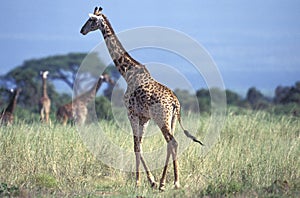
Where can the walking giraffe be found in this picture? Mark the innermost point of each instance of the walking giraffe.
(45, 102)
(7, 116)
(77, 108)
(145, 99)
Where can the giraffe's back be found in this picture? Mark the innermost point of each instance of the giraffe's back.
(152, 100)
(45, 102)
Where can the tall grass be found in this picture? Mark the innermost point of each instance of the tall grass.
(257, 155)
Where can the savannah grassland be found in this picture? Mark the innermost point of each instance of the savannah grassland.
(257, 155)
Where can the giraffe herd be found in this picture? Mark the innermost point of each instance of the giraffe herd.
(145, 99)
(75, 110)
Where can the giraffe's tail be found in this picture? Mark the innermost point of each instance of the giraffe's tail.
(188, 133)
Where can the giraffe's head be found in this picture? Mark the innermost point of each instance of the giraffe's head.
(16, 92)
(94, 22)
(44, 74)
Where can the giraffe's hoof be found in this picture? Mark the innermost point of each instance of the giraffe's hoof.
(162, 187)
(154, 185)
(137, 184)
(176, 185)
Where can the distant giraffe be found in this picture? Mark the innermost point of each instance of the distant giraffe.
(7, 116)
(145, 99)
(45, 102)
(77, 108)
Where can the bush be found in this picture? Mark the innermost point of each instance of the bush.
(102, 108)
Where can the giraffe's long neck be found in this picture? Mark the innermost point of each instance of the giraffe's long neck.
(90, 95)
(126, 65)
(45, 94)
(12, 105)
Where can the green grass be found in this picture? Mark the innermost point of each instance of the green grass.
(257, 155)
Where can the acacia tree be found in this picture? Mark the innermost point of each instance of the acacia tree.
(63, 68)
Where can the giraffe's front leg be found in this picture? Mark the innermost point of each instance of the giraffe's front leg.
(149, 174)
(139, 158)
(42, 114)
(162, 182)
(150, 177)
(137, 152)
(134, 121)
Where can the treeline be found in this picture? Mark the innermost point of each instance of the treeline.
(64, 71)
(286, 100)
(67, 70)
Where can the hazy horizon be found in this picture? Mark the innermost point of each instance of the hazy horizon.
(254, 44)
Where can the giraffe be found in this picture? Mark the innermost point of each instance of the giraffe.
(77, 108)
(45, 102)
(7, 116)
(144, 98)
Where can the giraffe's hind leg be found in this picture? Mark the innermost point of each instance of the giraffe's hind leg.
(174, 154)
(171, 150)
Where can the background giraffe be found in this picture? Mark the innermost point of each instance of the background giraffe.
(77, 108)
(45, 102)
(145, 99)
(7, 116)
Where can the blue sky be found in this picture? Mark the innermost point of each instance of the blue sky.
(254, 43)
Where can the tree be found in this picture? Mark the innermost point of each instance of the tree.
(281, 94)
(256, 99)
(204, 101)
(64, 68)
(99, 110)
(285, 95)
(232, 98)
(187, 101)
(115, 75)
